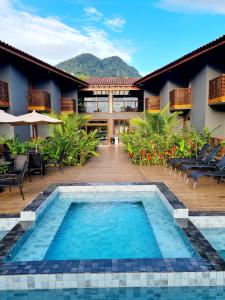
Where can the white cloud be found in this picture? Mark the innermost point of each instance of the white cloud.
(50, 39)
(93, 13)
(194, 6)
(115, 23)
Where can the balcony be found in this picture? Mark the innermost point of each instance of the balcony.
(39, 101)
(152, 104)
(4, 94)
(180, 99)
(217, 90)
(68, 105)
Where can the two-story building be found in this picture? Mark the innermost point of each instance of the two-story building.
(27, 84)
(193, 84)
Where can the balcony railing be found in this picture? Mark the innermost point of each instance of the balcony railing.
(68, 105)
(152, 104)
(39, 100)
(217, 90)
(4, 94)
(180, 99)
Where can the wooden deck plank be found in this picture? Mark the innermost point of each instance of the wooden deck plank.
(113, 165)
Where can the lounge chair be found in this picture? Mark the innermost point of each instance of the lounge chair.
(218, 172)
(173, 162)
(14, 179)
(208, 162)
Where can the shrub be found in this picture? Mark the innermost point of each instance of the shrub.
(69, 138)
(158, 138)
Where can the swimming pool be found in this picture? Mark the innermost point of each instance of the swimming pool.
(94, 235)
(103, 225)
(216, 237)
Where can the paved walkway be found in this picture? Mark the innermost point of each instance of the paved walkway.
(113, 165)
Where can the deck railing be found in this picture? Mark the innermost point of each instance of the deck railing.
(4, 94)
(217, 90)
(68, 105)
(180, 99)
(39, 100)
(152, 103)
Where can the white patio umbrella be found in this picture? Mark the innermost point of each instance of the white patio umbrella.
(6, 118)
(36, 119)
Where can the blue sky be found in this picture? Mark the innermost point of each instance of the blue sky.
(147, 34)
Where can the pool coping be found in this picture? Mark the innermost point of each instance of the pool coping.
(209, 260)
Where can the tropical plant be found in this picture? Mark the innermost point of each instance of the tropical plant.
(158, 137)
(159, 123)
(68, 138)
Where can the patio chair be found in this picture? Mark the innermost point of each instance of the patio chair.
(173, 162)
(217, 172)
(209, 161)
(14, 179)
(36, 163)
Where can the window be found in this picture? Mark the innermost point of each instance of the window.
(125, 104)
(94, 104)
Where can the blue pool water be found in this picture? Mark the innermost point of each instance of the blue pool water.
(176, 293)
(115, 225)
(216, 237)
(105, 230)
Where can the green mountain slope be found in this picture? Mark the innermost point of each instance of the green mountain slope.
(89, 65)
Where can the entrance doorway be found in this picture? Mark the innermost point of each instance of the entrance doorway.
(103, 130)
(120, 126)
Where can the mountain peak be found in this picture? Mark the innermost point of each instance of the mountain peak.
(89, 65)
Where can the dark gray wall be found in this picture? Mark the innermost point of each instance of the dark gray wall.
(55, 96)
(71, 94)
(164, 92)
(214, 116)
(203, 115)
(198, 85)
(18, 87)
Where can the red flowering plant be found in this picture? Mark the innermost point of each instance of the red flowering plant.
(158, 138)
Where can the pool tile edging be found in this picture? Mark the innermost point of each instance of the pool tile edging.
(209, 262)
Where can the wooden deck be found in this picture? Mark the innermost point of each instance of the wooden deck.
(113, 165)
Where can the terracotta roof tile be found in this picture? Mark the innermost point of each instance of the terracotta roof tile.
(116, 81)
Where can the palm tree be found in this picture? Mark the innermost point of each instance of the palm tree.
(159, 123)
